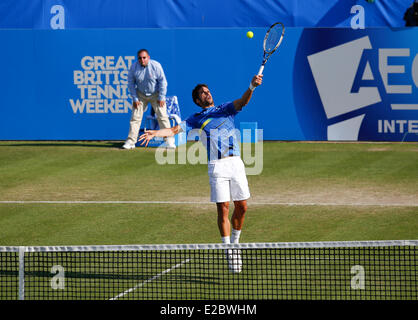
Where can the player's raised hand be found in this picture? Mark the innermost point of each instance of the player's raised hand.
(257, 80)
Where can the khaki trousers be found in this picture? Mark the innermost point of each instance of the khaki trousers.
(137, 114)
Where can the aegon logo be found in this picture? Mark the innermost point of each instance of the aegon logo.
(350, 77)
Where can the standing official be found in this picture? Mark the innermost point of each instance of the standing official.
(147, 84)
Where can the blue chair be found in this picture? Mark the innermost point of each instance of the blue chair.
(174, 115)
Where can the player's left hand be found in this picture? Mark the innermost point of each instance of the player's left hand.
(257, 80)
(162, 103)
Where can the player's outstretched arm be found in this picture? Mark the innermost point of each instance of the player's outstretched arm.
(246, 97)
(166, 132)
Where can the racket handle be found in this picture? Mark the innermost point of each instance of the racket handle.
(260, 71)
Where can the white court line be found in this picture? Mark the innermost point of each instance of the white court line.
(98, 202)
(150, 280)
(351, 204)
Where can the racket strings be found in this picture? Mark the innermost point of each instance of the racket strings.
(273, 38)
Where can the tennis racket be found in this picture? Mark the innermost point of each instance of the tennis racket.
(272, 41)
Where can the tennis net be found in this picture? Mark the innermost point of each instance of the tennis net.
(349, 270)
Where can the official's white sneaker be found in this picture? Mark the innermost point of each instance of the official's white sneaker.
(234, 260)
(169, 144)
(128, 146)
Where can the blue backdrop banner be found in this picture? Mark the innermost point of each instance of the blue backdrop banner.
(322, 84)
(76, 14)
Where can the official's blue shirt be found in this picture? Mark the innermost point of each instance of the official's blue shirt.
(216, 129)
(147, 80)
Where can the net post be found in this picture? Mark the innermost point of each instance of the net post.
(22, 251)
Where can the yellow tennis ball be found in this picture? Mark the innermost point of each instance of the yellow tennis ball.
(250, 34)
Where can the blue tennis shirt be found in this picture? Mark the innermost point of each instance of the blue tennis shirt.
(216, 130)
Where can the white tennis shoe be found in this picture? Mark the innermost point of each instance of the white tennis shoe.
(128, 145)
(233, 256)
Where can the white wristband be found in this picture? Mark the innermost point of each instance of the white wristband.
(251, 87)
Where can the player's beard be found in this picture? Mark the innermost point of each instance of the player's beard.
(207, 103)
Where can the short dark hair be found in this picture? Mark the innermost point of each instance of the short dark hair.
(195, 92)
(142, 50)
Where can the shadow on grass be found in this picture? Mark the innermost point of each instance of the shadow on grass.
(91, 144)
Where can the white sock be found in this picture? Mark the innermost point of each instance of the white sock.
(226, 239)
(235, 234)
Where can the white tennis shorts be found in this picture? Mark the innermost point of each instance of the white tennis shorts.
(228, 180)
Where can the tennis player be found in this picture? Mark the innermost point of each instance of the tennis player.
(225, 168)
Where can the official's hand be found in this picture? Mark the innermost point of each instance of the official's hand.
(146, 137)
(257, 80)
(135, 104)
